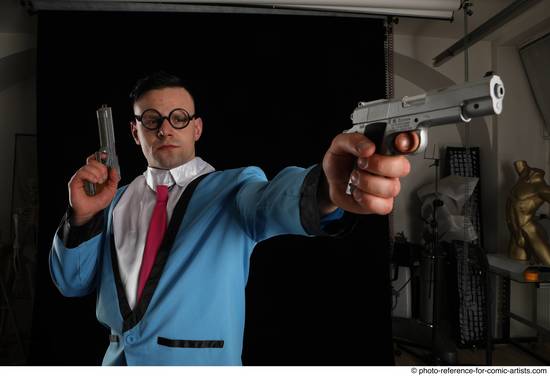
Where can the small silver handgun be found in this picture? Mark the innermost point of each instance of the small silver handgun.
(107, 144)
(399, 126)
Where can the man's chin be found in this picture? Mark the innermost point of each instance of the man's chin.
(169, 163)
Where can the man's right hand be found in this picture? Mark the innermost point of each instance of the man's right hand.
(106, 180)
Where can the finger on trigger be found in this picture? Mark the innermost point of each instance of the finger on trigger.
(102, 156)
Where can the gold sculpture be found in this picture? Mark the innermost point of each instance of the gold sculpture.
(528, 239)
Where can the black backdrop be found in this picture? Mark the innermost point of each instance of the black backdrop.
(273, 91)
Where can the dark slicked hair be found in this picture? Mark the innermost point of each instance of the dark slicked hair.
(155, 81)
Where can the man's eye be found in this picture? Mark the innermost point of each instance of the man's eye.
(151, 119)
(180, 119)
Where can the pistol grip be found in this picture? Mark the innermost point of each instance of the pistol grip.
(375, 132)
(89, 188)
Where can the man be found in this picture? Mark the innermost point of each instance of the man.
(178, 298)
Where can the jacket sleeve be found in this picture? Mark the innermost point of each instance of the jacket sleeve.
(75, 255)
(286, 205)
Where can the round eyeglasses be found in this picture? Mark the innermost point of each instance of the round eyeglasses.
(152, 119)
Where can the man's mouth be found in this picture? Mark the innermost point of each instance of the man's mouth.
(168, 146)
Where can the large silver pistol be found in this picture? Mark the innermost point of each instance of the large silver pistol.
(107, 144)
(399, 126)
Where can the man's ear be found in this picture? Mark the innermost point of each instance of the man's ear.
(133, 129)
(198, 128)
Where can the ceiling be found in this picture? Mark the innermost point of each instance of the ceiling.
(482, 11)
(534, 21)
(14, 19)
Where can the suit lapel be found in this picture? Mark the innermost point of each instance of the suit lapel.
(132, 317)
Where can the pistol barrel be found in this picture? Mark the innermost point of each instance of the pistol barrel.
(475, 99)
(384, 120)
(105, 126)
(107, 144)
(107, 136)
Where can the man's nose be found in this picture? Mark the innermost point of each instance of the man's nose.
(165, 127)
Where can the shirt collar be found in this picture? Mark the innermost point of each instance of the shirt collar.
(181, 175)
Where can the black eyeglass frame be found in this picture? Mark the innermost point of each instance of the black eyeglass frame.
(161, 118)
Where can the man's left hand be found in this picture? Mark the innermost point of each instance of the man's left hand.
(375, 177)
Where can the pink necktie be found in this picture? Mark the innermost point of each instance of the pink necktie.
(155, 234)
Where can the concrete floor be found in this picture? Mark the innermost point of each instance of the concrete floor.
(503, 355)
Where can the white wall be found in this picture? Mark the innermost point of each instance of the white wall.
(415, 78)
(519, 131)
(515, 134)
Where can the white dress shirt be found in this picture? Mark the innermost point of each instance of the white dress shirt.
(133, 212)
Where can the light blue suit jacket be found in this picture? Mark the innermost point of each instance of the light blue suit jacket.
(193, 307)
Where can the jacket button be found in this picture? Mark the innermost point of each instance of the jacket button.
(130, 339)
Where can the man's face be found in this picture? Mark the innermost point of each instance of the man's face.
(166, 147)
